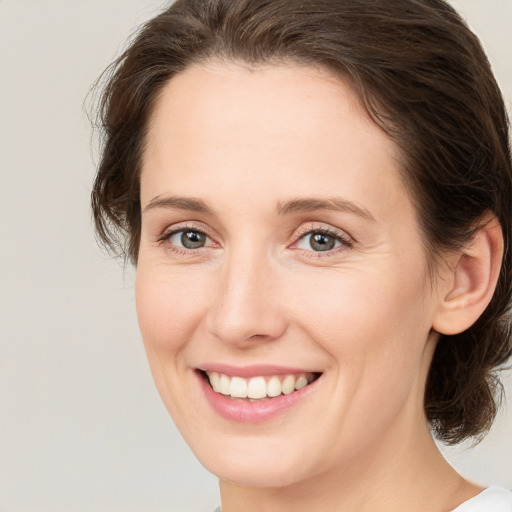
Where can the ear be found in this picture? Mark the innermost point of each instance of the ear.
(469, 279)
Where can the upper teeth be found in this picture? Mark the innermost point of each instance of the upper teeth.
(258, 387)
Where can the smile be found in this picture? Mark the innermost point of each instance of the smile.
(257, 393)
(258, 387)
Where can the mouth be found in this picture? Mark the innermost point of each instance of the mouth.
(258, 388)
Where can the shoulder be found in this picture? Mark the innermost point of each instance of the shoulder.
(494, 499)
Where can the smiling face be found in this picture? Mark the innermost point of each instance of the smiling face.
(280, 250)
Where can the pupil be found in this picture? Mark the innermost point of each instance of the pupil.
(321, 242)
(192, 239)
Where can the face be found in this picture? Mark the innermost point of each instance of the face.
(282, 285)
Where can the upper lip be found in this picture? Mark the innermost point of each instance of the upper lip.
(253, 370)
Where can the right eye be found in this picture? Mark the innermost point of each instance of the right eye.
(187, 239)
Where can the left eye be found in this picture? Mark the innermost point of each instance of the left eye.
(319, 241)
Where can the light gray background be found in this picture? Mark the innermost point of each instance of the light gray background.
(81, 425)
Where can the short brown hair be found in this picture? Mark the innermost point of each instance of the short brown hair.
(422, 76)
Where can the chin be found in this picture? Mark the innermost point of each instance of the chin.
(255, 462)
(261, 474)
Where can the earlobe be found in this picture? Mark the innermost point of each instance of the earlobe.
(470, 278)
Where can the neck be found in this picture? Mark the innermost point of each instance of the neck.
(399, 475)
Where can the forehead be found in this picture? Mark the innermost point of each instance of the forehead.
(273, 130)
(235, 101)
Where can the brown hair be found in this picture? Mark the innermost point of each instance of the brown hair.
(422, 76)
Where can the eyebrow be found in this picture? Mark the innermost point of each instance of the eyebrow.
(190, 204)
(298, 205)
(305, 205)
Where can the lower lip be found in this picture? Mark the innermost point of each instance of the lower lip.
(243, 411)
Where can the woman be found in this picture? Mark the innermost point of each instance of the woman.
(317, 198)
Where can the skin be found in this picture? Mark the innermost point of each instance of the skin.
(244, 141)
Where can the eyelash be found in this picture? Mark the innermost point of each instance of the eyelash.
(167, 234)
(344, 240)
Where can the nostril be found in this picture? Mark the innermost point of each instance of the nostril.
(259, 337)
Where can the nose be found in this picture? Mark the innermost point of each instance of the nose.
(247, 306)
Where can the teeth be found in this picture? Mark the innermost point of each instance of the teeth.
(274, 387)
(224, 382)
(258, 387)
(238, 388)
(301, 382)
(288, 385)
(215, 381)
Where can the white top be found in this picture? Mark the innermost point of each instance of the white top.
(492, 499)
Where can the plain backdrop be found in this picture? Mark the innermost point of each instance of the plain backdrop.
(81, 425)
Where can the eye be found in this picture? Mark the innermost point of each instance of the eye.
(322, 240)
(187, 239)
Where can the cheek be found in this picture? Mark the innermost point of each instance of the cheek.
(374, 325)
(358, 303)
(169, 309)
(375, 332)
(169, 306)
